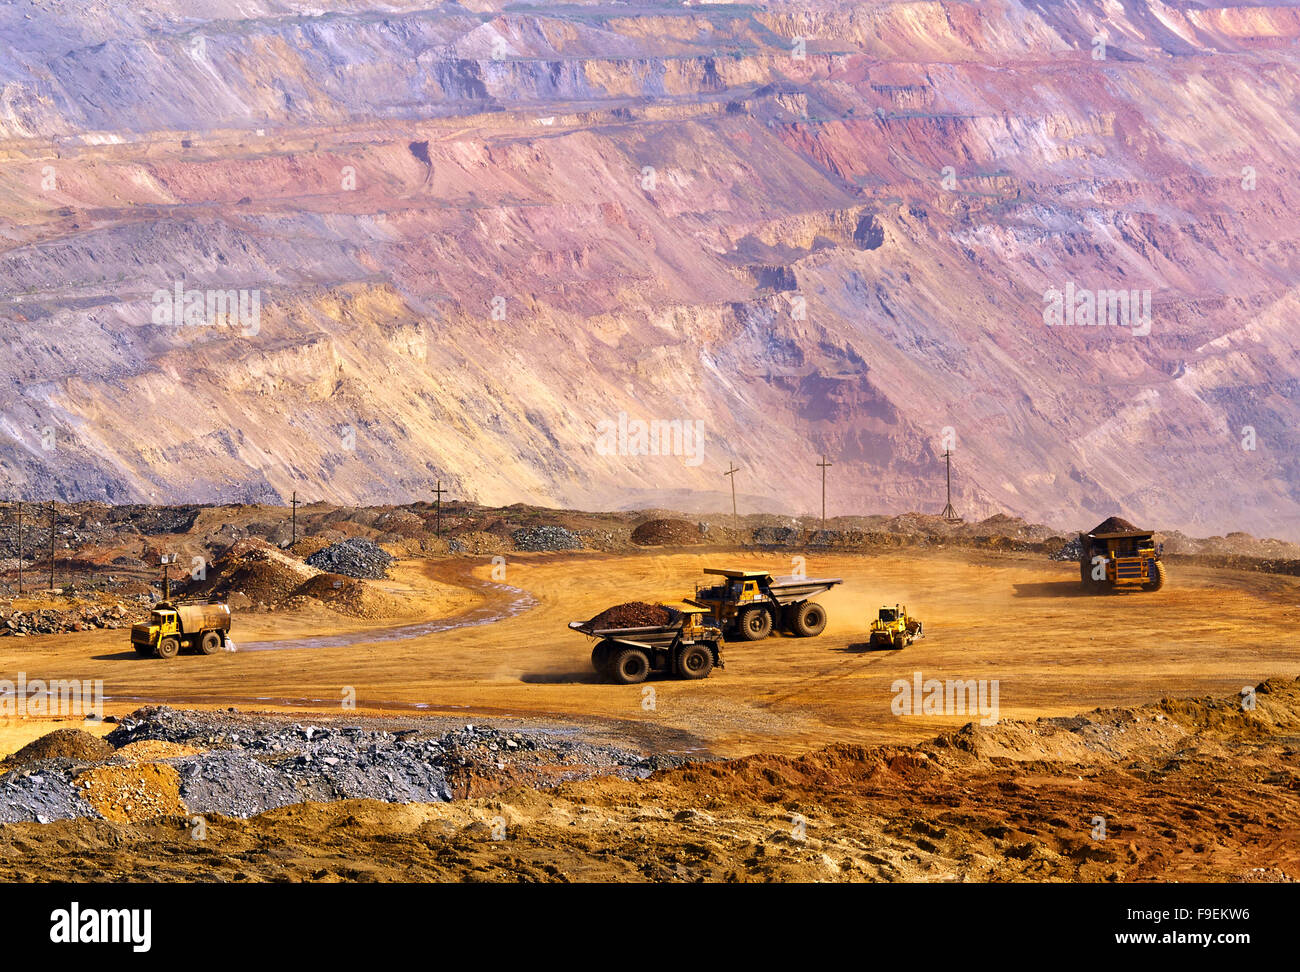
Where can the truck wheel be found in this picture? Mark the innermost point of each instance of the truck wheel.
(601, 656)
(755, 624)
(630, 666)
(809, 620)
(168, 648)
(210, 643)
(695, 661)
(1157, 576)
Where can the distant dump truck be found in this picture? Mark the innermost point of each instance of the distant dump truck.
(175, 625)
(685, 646)
(752, 603)
(1116, 555)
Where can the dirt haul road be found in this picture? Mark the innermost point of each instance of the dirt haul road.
(1003, 617)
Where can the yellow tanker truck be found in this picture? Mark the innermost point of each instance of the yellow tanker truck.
(176, 625)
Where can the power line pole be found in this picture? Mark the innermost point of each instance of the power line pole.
(732, 469)
(293, 517)
(948, 512)
(20, 548)
(824, 466)
(53, 524)
(437, 492)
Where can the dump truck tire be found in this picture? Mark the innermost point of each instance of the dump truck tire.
(695, 661)
(630, 666)
(168, 648)
(210, 643)
(808, 620)
(1158, 581)
(755, 624)
(601, 656)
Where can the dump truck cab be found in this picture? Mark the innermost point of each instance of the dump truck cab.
(1118, 556)
(751, 604)
(177, 625)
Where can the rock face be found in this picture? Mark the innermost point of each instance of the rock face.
(588, 256)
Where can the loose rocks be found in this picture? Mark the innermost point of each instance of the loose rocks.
(546, 538)
(355, 557)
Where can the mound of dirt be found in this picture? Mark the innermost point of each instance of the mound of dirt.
(1115, 524)
(654, 533)
(479, 542)
(257, 570)
(306, 546)
(348, 596)
(152, 749)
(633, 614)
(74, 744)
(129, 794)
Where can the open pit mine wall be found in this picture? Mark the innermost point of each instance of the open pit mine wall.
(469, 240)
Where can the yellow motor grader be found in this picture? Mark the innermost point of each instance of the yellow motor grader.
(893, 628)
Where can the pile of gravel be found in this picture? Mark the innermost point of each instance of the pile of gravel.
(776, 536)
(546, 538)
(354, 557)
(250, 764)
(1072, 550)
(41, 792)
(255, 764)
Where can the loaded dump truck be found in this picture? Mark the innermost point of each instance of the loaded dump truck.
(176, 625)
(1116, 555)
(685, 646)
(753, 603)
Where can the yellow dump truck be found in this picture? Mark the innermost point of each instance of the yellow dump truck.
(1116, 555)
(751, 604)
(176, 625)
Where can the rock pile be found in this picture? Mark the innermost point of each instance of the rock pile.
(354, 557)
(50, 621)
(546, 538)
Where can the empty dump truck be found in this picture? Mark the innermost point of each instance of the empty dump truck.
(686, 646)
(752, 603)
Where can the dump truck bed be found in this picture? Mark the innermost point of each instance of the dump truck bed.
(788, 590)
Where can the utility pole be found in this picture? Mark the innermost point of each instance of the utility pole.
(438, 491)
(53, 523)
(293, 517)
(20, 548)
(948, 512)
(167, 560)
(731, 471)
(824, 466)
